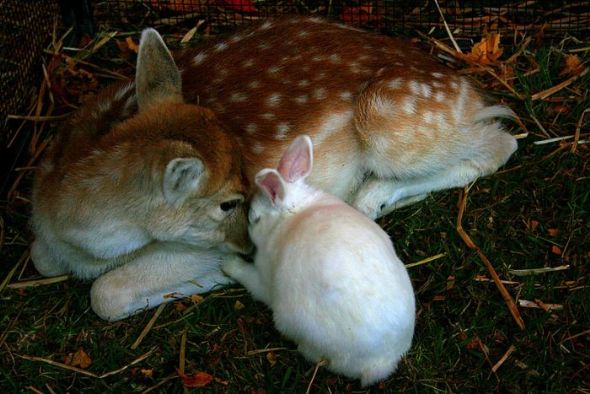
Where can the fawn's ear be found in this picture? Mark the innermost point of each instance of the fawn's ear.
(157, 78)
(181, 178)
(272, 184)
(297, 161)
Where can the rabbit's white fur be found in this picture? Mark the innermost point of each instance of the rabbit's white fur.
(330, 274)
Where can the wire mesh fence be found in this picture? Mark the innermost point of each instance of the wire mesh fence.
(25, 27)
(466, 18)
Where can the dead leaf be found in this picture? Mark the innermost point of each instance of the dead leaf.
(474, 343)
(573, 66)
(179, 306)
(556, 250)
(197, 299)
(78, 359)
(132, 45)
(485, 52)
(147, 372)
(198, 379)
(450, 282)
(532, 225)
(272, 358)
(238, 306)
(552, 232)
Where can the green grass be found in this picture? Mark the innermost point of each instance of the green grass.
(463, 326)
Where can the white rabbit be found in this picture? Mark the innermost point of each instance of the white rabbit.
(329, 273)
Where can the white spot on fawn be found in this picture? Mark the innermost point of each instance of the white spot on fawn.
(332, 123)
(395, 83)
(303, 83)
(273, 69)
(268, 116)
(220, 47)
(437, 75)
(437, 84)
(335, 58)
(273, 100)
(238, 97)
(254, 84)
(251, 128)
(301, 99)
(439, 97)
(257, 148)
(263, 46)
(409, 105)
(265, 26)
(425, 90)
(383, 106)
(320, 93)
(282, 129)
(441, 120)
(414, 87)
(248, 63)
(345, 95)
(303, 34)
(200, 58)
(320, 76)
(460, 106)
(427, 116)
(236, 38)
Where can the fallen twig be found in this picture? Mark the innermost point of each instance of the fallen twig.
(148, 326)
(319, 364)
(38, 282)
(426, 260)
(536, 271)
(540, 305)
(502, 359)
(83, 371)
(554, 89)
(579, 130)
(503, 291)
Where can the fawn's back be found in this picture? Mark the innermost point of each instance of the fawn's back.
(363, 98)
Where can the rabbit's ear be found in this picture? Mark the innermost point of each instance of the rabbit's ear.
(297, 161)
(272, 184)
(157, 77)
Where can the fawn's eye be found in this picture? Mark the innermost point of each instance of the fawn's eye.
(230, 205)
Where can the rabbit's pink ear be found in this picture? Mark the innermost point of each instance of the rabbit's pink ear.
(272, 184)
(297, 161)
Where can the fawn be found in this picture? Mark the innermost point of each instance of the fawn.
(145, 188)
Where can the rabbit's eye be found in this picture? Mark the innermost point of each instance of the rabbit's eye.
(230, 205)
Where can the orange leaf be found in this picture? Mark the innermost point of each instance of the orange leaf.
(485, 52)
(147, 372)
(556, 250)
(552, 232)
(198, 379)
(131, 44)
(80, 359)
(272, 358)
(197, 299)
(573, 66)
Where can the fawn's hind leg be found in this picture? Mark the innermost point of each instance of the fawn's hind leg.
(379, 197)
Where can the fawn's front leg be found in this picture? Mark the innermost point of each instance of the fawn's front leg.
(161, 273)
